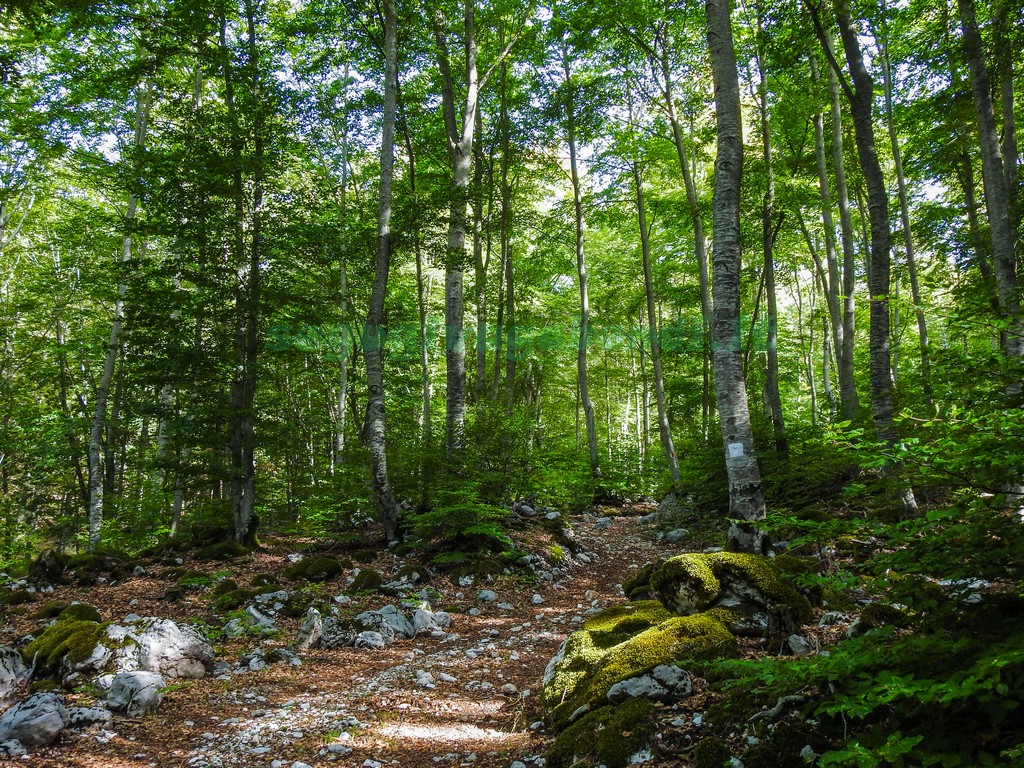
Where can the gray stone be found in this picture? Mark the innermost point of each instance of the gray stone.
(388, 617)
(537, 599)
(12, 748)
(136, 693)
(310, 631)
(526, 510)
(83, 718)
(603, 523)
(259, 619)
(799, 646)
(487, 596)
(676, 536)
(36, 721)
(831, 618)
(371, 640)
(666, 682)
(13, 673)
(424, 620)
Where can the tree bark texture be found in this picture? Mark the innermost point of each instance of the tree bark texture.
(861, 97)
(664, 429)
(746, 495)
(375, 427)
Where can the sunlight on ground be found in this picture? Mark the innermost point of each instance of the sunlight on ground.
(441, 732)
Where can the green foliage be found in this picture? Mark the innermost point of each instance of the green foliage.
(459, 521)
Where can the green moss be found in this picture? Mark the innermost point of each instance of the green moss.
(364, 556)
(75, 639)
(556, 553)
(367, 580)
(607, 737)
(265, 580)
(222, 550)
(80, 612)
(318, 569)
(699, 637)
(50, 609)
(586, 648)
(691, 583)
(402, 550)
(627, 619)
(87, 564)
(16, 597)
(43, 685)
(639, 586)
(711, 752)
(223, 587)
(173, 595)
(233, 600)
(879, 615)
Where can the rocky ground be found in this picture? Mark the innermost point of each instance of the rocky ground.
(465, 696)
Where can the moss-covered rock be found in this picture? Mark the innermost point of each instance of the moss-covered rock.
(48, 567)
(367, 580)
(51, 609)
(15, 597)
(317, 568)
(75, 639)
(699, 637)
(609, 737)
(749, 586)
(265, 580)
(222, 550)
(234, 599)
(223, 587)
(364, 556)
(80, 612)
(638, 587)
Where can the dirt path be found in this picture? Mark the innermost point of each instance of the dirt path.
(464, 698)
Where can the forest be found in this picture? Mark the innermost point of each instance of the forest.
(385, 274)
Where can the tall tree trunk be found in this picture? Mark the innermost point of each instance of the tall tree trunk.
(99, 417)
(374, 429)
(831, 287)
(480, 263)
(248, 282)
(1007, 43)
(860, 97)
(581, 264)
(664, 430)
(997, 204)
(460, 150)
(697, 221)
(746, 495)
(849, 401)
(768, 250)
(908, 238)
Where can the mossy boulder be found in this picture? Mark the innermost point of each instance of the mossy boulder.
(609, 737)
(80, 612)
(223, 587)
(234, 599)
(367, 580)
(16, 597)
(265, 580)
(317, 569)
(638, 586)
(73, 639)
(48, 567)
(222, 550)
(622, 643)
(756, 594)
(51, 609)
(364, 556)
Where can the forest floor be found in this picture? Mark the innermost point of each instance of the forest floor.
(355, 707)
